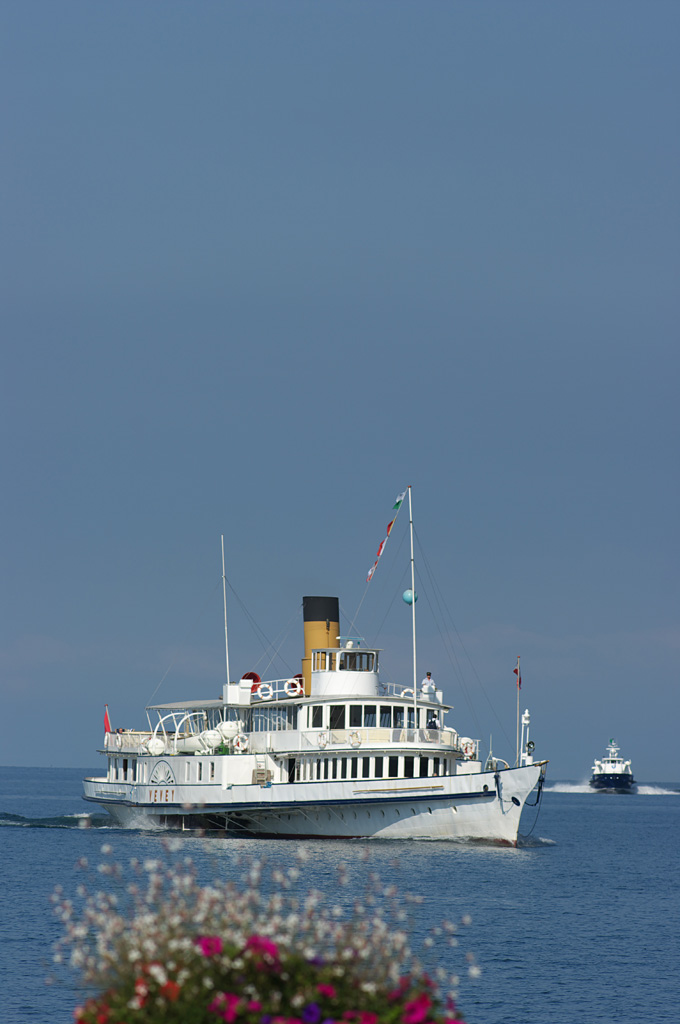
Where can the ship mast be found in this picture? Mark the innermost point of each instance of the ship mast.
(224, 594)
(413, 614)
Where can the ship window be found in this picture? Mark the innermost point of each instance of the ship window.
(435, 766)
(125, 768)
(409, 714)
(325, 767)
(408, 767)
(335, 767)
(393, 767)
(317, 716)
(398, 718)
(378, 767)
(355, 716)
(366, 768)
(386, 716)
(337, 716)
(318, 768)
(212, 771)
(423, 767)
(343, 768)
(355, 767)
(200, 771)
(369, 716)
(187, 771)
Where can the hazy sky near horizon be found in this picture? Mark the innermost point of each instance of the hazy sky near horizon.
(265, 264)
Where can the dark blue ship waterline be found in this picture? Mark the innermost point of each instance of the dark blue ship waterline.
(559, 935)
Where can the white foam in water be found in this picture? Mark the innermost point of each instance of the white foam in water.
(583, 787)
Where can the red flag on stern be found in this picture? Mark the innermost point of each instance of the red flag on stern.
(107, 720)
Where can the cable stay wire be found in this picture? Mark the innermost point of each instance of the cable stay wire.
(189, 632)
(271, 649)
(446, 616)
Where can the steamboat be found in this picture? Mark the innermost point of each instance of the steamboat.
(332, 751)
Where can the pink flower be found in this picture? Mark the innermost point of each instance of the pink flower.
(209, 945)
(225, 1004)
(416, 1010)
(254, 1005)
(326, 990)
(398, 992)
(366, 1017)
(261, 946)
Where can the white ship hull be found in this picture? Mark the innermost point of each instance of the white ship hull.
(482, 805)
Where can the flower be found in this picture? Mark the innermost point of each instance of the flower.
(416, 1010)
(326, 990)
(209, 945)
(260, 946)
(177, 950)
(170, 991)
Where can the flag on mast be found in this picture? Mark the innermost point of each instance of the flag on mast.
(107, 720)
(397, 505)
(519, 676)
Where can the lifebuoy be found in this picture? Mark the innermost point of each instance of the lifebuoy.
(294, 687)
(407, 693)
(322, 739)
(264, 691)
(468, 748)
(241, 743)
(355, 739)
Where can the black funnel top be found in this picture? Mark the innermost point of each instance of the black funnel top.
(320, 609)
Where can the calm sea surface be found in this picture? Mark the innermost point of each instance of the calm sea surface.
(580, 923)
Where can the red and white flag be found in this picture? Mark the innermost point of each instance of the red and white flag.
(107, 720)
(400, 498)
(519, 676)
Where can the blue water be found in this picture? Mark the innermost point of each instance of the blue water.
(580, 923)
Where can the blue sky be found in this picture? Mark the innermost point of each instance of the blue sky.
(264, 265)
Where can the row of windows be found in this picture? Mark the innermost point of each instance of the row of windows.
(321, 768)
(124, 769)
(368, 716)
(349, 661)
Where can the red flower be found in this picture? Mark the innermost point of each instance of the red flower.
(326, 990)
(171, 991)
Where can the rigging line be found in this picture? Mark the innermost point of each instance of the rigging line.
(440, 597)
(259, 633)
(393, 565)
(453, 660)
(283, 635)
(174, 661)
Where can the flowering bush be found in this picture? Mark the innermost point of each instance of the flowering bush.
(167, 949)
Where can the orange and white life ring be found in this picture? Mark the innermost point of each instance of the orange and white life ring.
(407, 693)
(241, 743)
(355, 739)
(468, 748)
(264, 691)
(322, 739)
(294, 687)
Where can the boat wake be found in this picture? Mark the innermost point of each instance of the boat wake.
(583, 787)
(61, 821)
